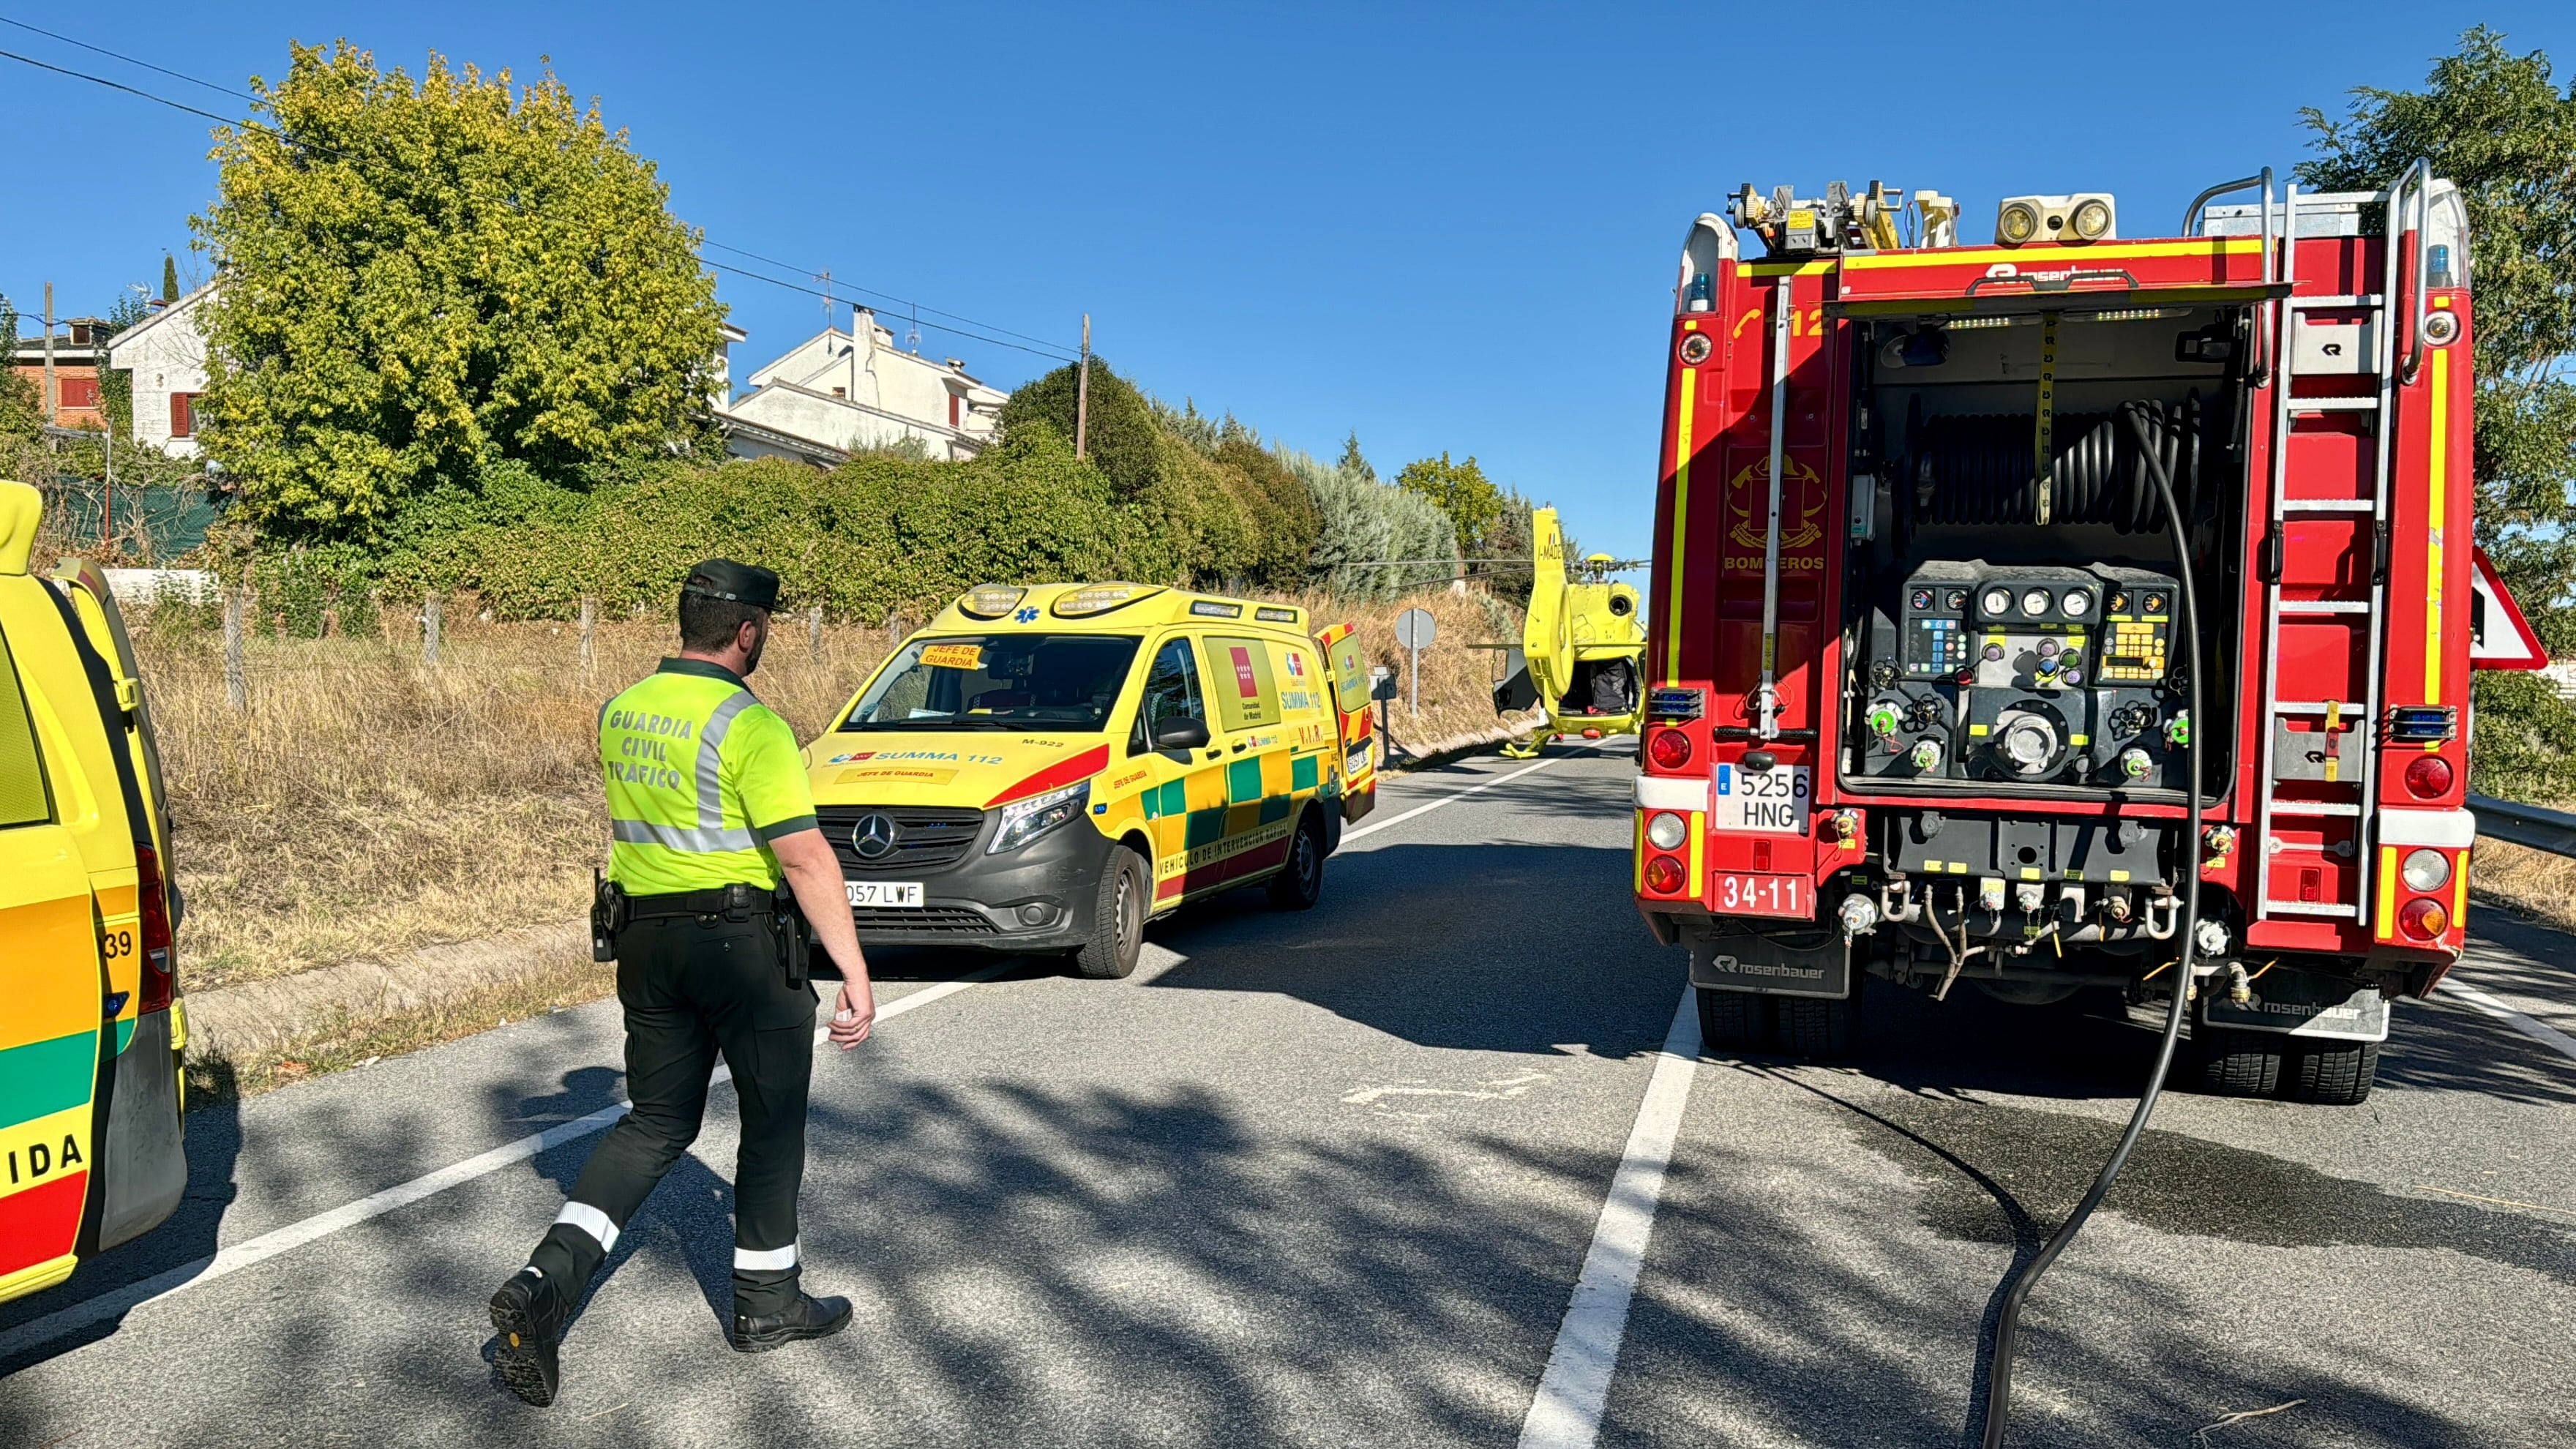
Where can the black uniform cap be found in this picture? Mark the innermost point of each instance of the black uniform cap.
(742, 583)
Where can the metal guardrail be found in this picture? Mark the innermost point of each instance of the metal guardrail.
(2550, 830)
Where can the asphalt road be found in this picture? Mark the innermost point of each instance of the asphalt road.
(1332, 1179)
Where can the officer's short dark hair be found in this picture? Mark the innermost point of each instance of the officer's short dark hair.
(709, 625)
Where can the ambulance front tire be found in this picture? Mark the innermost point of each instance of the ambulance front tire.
(1300, 883)
(1117, 918)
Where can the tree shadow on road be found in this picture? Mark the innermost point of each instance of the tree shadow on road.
(1441, 946)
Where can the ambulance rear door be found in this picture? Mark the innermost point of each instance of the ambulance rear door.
(51, 986)
(1350, 686)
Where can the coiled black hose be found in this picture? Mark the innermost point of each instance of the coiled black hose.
(2008, 1320)
(1976, 469)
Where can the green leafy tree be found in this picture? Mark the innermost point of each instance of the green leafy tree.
(169, 278)
(1121, 439)
(2500, 126)
(22, 411)
(424, 278)
(116, 384)
(1479, 509)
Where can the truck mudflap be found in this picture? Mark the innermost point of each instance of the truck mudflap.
(1770, 966)
(2305, 1005)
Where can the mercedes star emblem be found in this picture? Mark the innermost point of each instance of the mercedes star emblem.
(873, 837)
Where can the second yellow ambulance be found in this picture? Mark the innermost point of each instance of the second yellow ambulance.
(1044, 769)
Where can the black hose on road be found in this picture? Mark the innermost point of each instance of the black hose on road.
(2008, 1322)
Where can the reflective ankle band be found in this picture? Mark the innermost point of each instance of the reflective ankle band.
(764, 1261)
(592, 1221)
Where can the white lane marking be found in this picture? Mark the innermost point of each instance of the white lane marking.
(2539, 1031)
(1455, 796)
(1501, 1089)
(375, 1205)
(1566, 1413)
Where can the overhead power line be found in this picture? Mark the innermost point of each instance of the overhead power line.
(906, 302)
(1041, 348)
(1046, 352)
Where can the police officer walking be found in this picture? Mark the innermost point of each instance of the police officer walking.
(708, 806)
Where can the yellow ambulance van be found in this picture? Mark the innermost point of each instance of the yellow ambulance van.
(91, 1026)
(1044, 769)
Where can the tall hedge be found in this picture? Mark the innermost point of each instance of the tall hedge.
(877, 535)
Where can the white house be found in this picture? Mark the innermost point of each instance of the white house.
(166, 352)
(167, 355)
(844, 392)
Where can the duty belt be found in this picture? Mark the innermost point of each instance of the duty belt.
(740, 901)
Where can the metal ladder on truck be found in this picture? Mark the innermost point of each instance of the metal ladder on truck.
(2352, 720)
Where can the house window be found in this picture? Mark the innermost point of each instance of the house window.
(183, 415)
(78, 392)
(955, 404)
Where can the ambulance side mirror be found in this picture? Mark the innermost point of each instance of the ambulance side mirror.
(1182, 733)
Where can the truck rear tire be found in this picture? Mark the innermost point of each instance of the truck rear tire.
(2339, 1075)
(1734, 1021)
(1821, 1031)
(2237, 1063)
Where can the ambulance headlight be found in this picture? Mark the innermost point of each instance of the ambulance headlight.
(1026, 820)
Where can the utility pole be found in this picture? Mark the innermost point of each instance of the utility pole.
(1081, 388)
(53, 396)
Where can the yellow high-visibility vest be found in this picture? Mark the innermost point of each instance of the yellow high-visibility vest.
(701, 777)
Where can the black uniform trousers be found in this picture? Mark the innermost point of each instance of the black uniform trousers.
(694, 987)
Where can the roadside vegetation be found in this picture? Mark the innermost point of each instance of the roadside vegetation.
(363, 804)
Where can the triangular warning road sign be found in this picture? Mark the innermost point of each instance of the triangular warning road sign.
(2499, 637)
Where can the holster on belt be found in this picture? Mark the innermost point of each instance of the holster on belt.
(795, 939)
(608, 916)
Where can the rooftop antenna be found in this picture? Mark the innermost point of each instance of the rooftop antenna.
(912, 332)
(825, 277)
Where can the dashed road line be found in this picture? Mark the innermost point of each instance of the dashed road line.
(1566, 1413)
(287, 1239)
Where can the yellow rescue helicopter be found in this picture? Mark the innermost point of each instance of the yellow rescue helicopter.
(1581, 645)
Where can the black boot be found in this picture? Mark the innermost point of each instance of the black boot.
(527, 1318)
(807, 1317)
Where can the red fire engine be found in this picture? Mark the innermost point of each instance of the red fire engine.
(1926, 635)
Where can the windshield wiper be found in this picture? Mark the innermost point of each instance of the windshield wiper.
(964, 723)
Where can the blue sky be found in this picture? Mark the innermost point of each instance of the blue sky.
(1449, 227)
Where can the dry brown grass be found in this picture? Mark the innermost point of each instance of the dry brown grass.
(2533, 881)
(363, 806)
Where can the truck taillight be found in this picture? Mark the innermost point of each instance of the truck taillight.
(2424, 919)
(160, 970)
(1663, 875)
(1669, 749)
(2428, 777)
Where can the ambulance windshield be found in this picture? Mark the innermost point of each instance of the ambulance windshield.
(1052, 682)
